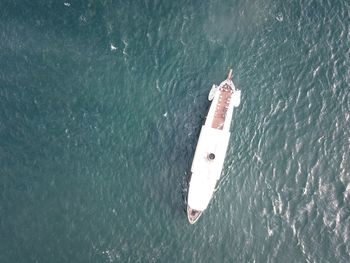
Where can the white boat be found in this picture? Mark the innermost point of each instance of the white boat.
(211, 148)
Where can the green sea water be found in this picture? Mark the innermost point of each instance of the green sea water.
(101, 104)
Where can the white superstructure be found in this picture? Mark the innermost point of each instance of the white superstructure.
(211, 148)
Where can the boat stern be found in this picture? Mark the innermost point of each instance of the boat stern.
(193, 215)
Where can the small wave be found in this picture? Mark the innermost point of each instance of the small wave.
(279, 17)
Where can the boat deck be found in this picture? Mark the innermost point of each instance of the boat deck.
(222, 106)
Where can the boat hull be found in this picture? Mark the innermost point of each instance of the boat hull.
(211, 149)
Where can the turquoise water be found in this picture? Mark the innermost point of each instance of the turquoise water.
(101, 104)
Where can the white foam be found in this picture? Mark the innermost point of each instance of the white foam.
(315, 71)
(279, 17)
(157, 85)
(113, 47)
(125, 47)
